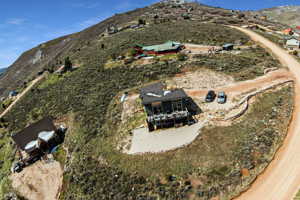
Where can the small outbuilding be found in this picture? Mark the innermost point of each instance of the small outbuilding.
(228, 47)
(293, 44)
(12, 94)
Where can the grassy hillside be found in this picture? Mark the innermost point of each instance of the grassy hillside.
(85, 97)
(50, 55)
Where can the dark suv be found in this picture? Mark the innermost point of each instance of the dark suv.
(210, 97)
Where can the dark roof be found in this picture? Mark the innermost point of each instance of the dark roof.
(31, 132)
(156, 93)
(228, 45)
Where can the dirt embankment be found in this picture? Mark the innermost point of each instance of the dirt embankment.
(40, 181)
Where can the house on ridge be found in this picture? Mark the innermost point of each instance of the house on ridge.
(160, 49)
(165, 108)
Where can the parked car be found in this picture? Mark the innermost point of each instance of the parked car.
(210, 97)
(222, 97)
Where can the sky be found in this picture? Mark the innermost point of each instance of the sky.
(26, 23)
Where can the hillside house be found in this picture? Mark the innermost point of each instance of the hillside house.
(161, 49)
(12, 94)
(293, 44)
(288, 31)
(38, 138)
(228, 47)
(177, 2)
(165, 108)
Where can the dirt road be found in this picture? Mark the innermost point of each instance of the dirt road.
(281, 179)
(21, 95)
(237, 88)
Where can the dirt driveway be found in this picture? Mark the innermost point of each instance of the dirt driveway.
(281, 179)
(40, 181)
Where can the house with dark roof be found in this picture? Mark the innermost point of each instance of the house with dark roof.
(12, 94)
(160, 49)
(38, 138)
(165, 108)
(228, 47)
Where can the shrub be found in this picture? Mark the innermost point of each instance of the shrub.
(181, 57)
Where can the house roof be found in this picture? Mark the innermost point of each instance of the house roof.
(287, 30)
(293, 42)
(31, 132)
(156, 93)
(170, 45)
(228, 45)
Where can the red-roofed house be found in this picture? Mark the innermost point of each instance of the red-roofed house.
(288, 31)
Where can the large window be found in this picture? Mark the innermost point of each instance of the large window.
(177, 106)
(157, 108)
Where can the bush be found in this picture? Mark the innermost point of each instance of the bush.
(181, 57)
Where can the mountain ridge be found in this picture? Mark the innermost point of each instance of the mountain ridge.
(51, 54)
(288, 15)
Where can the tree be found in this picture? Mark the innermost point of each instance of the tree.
(142, 22)
(68, 64)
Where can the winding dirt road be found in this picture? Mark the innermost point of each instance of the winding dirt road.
(281, 179)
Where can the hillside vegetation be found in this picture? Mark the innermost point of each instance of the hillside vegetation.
(86, 100)
(288, 15)
(50, 55)
(95, 170)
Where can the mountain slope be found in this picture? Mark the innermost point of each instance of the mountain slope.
(50, 55)
(289, 15)
(87, 100)
(2, 70)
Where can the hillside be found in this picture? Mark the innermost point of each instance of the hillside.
(288, 15)
(220, 163)
(2, 70)
(50, 55)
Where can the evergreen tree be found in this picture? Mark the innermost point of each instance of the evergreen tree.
(68, 64)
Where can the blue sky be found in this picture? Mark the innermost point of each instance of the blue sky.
(27, 23)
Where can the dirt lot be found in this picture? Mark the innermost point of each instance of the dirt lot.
(40, 181)
(201, 79)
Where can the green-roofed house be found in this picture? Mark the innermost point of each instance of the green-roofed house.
(160, 49)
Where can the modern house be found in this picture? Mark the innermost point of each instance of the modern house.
(293, 44)
(165, 108)
(38, 138)
(161, 49)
